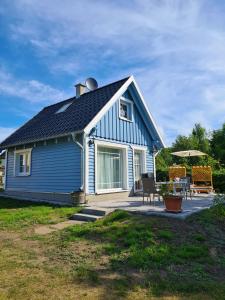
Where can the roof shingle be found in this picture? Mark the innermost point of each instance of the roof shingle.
(78, 115)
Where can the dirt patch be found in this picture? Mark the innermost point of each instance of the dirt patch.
(46, 229)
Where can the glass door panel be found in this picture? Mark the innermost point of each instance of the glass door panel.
(138, 170)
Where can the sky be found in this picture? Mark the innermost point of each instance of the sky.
(174, 48)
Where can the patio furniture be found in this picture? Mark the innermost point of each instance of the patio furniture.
(149, 188)
(176, 172)
(202, 179)
(174, 186)
(187, 186)
(188, 153)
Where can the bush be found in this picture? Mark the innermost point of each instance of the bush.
(219, 181)
(219, 199)
(162, 175)
(219, 207)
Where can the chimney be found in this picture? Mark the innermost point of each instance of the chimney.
(80, 89)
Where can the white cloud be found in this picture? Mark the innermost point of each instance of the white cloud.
(5, 132)
(32, 90)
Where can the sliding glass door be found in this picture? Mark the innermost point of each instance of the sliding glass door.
(109, 168)
(139, 168)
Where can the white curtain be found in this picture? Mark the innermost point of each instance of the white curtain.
(137, 169)
(109, 166)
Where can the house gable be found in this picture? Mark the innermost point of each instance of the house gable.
(112, 127)
(129, 89)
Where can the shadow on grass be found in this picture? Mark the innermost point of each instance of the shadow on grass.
(7, 203)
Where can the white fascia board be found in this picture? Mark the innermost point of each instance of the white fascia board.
(149, 114)
(102, 112)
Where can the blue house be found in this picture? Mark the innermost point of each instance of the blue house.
(99, 142)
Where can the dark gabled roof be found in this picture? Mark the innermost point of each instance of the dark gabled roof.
(78, 115)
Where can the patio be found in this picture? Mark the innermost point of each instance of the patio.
(135, 205)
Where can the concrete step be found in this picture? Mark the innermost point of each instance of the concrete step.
(94, 211)
(85, 217)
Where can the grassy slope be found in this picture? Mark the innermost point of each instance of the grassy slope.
(119, 257)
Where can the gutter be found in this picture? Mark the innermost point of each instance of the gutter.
(37, 140)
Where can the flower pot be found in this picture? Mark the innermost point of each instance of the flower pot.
(173, 203)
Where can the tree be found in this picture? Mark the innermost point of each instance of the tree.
(182, 143)
(197, 140)
(164, 159)
(218, 145)
(200, 140)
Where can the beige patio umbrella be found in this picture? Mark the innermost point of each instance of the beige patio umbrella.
(188, 153)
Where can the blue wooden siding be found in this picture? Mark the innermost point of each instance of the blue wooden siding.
(111, 127)
(54, 168)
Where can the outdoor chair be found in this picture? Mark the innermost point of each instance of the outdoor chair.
(187, 186)
(202, 179)
(149, 188)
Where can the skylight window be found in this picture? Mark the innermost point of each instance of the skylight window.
(63, 108)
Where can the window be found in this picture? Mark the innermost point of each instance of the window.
(22, 162)
(63, 108)
(111, 168)
(126, 109)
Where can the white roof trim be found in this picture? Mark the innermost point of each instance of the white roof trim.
(149, 114)
(105, 108)
(115, 97)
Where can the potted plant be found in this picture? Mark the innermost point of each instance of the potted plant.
(172, 202)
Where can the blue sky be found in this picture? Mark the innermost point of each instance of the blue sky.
(175, 49)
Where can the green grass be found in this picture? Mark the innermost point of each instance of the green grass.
(176, 257)
(17, 215)
(121, 256)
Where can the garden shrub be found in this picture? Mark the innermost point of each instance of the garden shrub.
(219, 207)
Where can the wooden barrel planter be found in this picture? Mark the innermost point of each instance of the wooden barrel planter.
(173, 203)
(78, 198)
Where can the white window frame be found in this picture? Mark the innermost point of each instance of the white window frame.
(17, 173)
(128, 101)
(125, 166)
(143, 151)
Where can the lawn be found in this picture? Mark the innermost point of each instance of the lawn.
(119, 257)
(17, 215)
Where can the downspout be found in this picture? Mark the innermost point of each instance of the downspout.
(5, 170)
(154, 156)
(83, 150)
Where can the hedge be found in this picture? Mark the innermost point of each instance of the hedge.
(218, 179)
